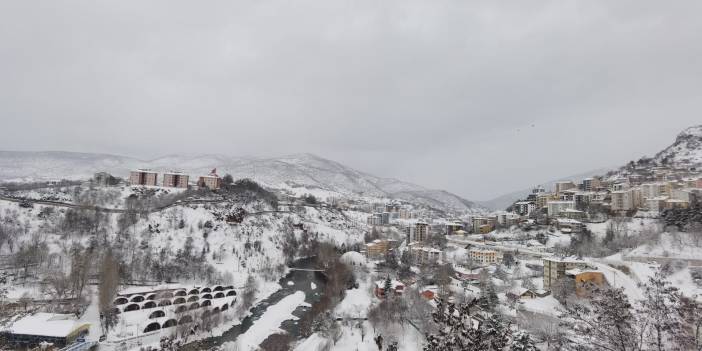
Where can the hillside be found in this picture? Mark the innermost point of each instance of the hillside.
(299, 173)
(686, 151)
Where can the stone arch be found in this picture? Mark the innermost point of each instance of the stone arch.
(206, 290)
(215, 310)
(231, 293)
(180, 293)
(218, 288)
(152, 327)
(219, 295)
(179, 300)
(151, 297)
(224, 307)
(149, 304)
(157, 314)
(193, 298)
(194, 292)
(137, 298)
(165, 302)
(131, 307)
(194, 306)
(181, 309)
(207, 296)
(206, 303)
(121, 300)
(170, 323)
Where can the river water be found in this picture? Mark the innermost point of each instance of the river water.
(302, 281)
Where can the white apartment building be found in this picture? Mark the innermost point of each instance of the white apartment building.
(556, 207)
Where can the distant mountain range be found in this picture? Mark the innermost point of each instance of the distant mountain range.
(305, 171)
(686, 151)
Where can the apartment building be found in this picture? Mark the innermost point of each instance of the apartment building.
(377, 249)
(524, 208)
(483, 225)
(591, 184)
(555, 268)
(175, 180)
(554, 208)
(425, 255)
(381, 218)
(485, 257)
(564, 185)
(145, 177)
(211, 181)
(419, 232)
(626, 200)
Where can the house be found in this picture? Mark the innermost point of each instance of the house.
(567, 225)
(143, 177)
(428, 294)
(175, 180)
(211, 181)
(584, 279)
(555, 268)
(397, 288)
(57, 329)
(520, 293)
(485, 257)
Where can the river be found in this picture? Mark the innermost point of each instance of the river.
(302, 281)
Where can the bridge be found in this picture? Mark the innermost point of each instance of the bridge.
(80, 346)
(307, 270)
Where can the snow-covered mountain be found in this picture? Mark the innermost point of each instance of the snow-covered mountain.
(301, 172)
(686, 151)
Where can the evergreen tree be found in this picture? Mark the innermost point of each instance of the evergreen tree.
(658, 308)
(609, 324)
(387, 288)
(521, 341)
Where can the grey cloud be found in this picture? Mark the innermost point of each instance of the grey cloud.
(442, 93)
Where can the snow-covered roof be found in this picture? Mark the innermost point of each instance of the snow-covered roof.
(46, 324)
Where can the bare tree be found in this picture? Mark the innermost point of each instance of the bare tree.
(109, 282)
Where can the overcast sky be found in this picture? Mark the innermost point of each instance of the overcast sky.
(476, 97)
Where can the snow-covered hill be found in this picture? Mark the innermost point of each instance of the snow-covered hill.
(685, 151)
(299, 173)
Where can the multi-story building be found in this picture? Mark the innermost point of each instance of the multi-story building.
(555, 268)
(381, 218)
(564, 185)
(485, 257)
(483, 225)
(211, 181)
(420, 231)
(425, 255)
(175, 180)
(377, 249)
(626, 200)
(523, 208)
(143, 177)
(591, 184)
(554, 208)
(544, 198)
